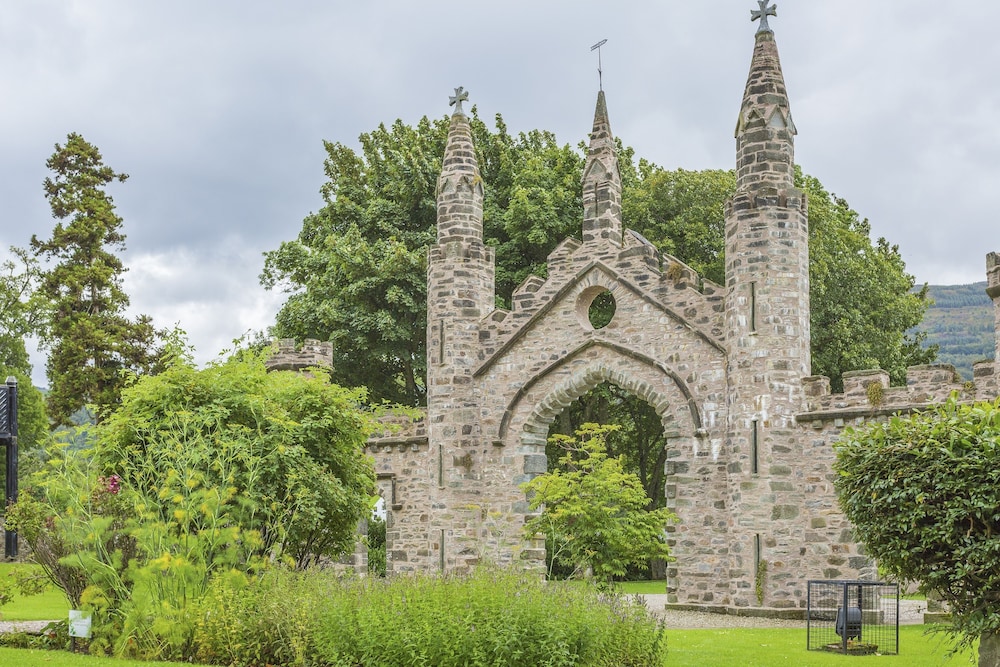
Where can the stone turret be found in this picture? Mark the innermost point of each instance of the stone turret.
(993, 290)
(460, 293)
(602, 182)
(767, 327)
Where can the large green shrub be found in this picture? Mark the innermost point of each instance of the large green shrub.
(198, 472)
(923, 493)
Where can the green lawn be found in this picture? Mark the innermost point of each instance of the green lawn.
(688, 648)
(762, 647)
(16, 657)
(50, 605)
(644, 587)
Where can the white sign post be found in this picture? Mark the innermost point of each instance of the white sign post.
(79, 625)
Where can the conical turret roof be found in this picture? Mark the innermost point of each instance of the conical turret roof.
(602, 184)
(460, 187)
(765, 130)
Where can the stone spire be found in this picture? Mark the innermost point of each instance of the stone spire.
(764, 132)
(602, 183)
(767, 332)
(459, 187)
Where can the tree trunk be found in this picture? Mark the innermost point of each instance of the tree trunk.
(989, 650)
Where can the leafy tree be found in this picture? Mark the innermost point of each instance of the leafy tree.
(638, 439)
(923, 493)
(198, 473)
(863, 303)
(356, 274)
(681, 212)
(594, 512)
(280, 453)
(20, 314)
(90, 340)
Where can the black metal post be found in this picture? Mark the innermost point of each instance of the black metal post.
(10, 431)
(843, 639)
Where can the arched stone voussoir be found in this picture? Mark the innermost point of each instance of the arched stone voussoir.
(545, 397)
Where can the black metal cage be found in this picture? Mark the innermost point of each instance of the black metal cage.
(853, 617)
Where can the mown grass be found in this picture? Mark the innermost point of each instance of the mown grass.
(643, 587)
(784, 647)
(758, 647)
(22, 657)
(49, 606)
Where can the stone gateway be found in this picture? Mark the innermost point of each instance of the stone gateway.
(726, 367)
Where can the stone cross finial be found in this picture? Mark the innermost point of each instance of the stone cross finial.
(456, 100)
(762, 14)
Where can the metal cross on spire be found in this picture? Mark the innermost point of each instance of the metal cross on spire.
(762, 14)
(461, 95)
(600, 74)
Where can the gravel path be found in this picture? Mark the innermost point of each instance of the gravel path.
(911, 612)
(22, 626)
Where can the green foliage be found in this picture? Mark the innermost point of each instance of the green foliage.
(593, 511)
(356, 275)
(90, 340)
(863, 305)
(638, 440)
(681, 212)
(489, 618)
(21, 312)
(377, 563)
(267, 620)
(923, 493)
(277, 454)
(226, 469)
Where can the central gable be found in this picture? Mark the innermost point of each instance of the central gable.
(559, 323)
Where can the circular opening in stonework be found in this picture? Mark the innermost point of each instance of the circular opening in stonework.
(596, 307)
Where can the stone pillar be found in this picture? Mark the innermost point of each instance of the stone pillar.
(460, 292)
(767, 329)
(993, 290)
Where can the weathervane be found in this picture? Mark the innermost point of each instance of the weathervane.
(600, 74)
(762, 14)
(461, 95)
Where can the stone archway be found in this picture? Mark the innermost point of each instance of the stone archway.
(695, 484)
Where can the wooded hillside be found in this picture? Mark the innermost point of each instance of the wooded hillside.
(960, 321)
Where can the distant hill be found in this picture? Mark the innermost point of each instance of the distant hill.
(961, 323)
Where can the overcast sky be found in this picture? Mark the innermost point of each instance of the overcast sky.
(218, 111)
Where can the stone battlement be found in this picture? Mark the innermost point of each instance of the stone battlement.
(286, 356)
(399, 430)
(867, 393)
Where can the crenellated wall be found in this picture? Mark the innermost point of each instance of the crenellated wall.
(286, 355)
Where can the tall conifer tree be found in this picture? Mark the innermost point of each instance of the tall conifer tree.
(89, 338)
